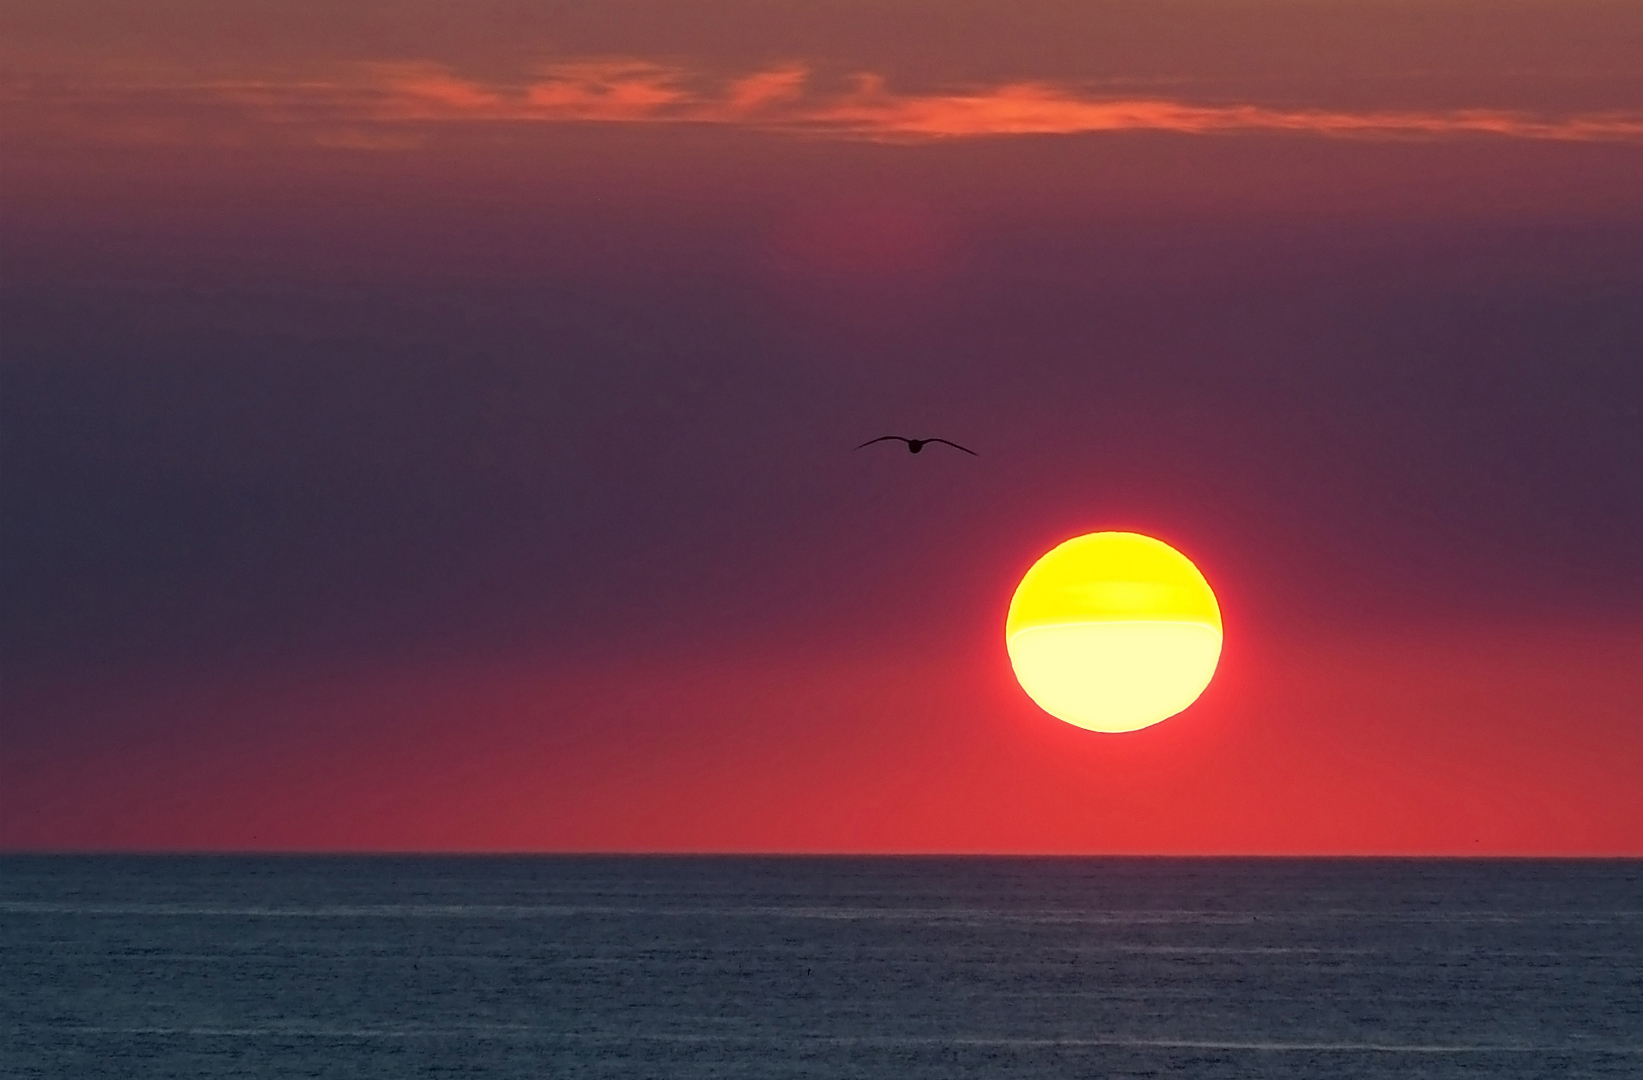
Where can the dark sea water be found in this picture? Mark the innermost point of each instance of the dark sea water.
(819, 967)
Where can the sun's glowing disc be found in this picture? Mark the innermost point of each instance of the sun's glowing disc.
(1113, 631)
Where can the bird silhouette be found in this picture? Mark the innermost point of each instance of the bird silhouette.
(915, 445)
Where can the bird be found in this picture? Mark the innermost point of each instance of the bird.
(915, 445)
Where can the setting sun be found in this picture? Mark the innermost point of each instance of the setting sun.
(1113, 631)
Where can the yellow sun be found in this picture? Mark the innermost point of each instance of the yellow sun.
(1113, 631)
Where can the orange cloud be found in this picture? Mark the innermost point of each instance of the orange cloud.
(611, 91)
(1039, 109)
(788, 99)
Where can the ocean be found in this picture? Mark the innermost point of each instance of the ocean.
(676, 968)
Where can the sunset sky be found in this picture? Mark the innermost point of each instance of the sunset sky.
(428, 425)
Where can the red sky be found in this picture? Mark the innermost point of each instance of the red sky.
(1441, 745)
(429, 429)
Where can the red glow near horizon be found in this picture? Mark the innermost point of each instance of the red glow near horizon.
(1458, 745)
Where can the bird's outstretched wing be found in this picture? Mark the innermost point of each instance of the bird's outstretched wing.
(955, 446)
(882, 438)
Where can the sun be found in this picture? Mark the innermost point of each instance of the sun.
(1113, 631)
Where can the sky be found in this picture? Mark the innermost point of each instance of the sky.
(428, 426)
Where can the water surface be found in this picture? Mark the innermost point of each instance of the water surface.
(149, 967)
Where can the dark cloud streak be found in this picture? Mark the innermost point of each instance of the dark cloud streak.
(569, 461)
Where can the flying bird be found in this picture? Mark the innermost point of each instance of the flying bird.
(915, 445)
